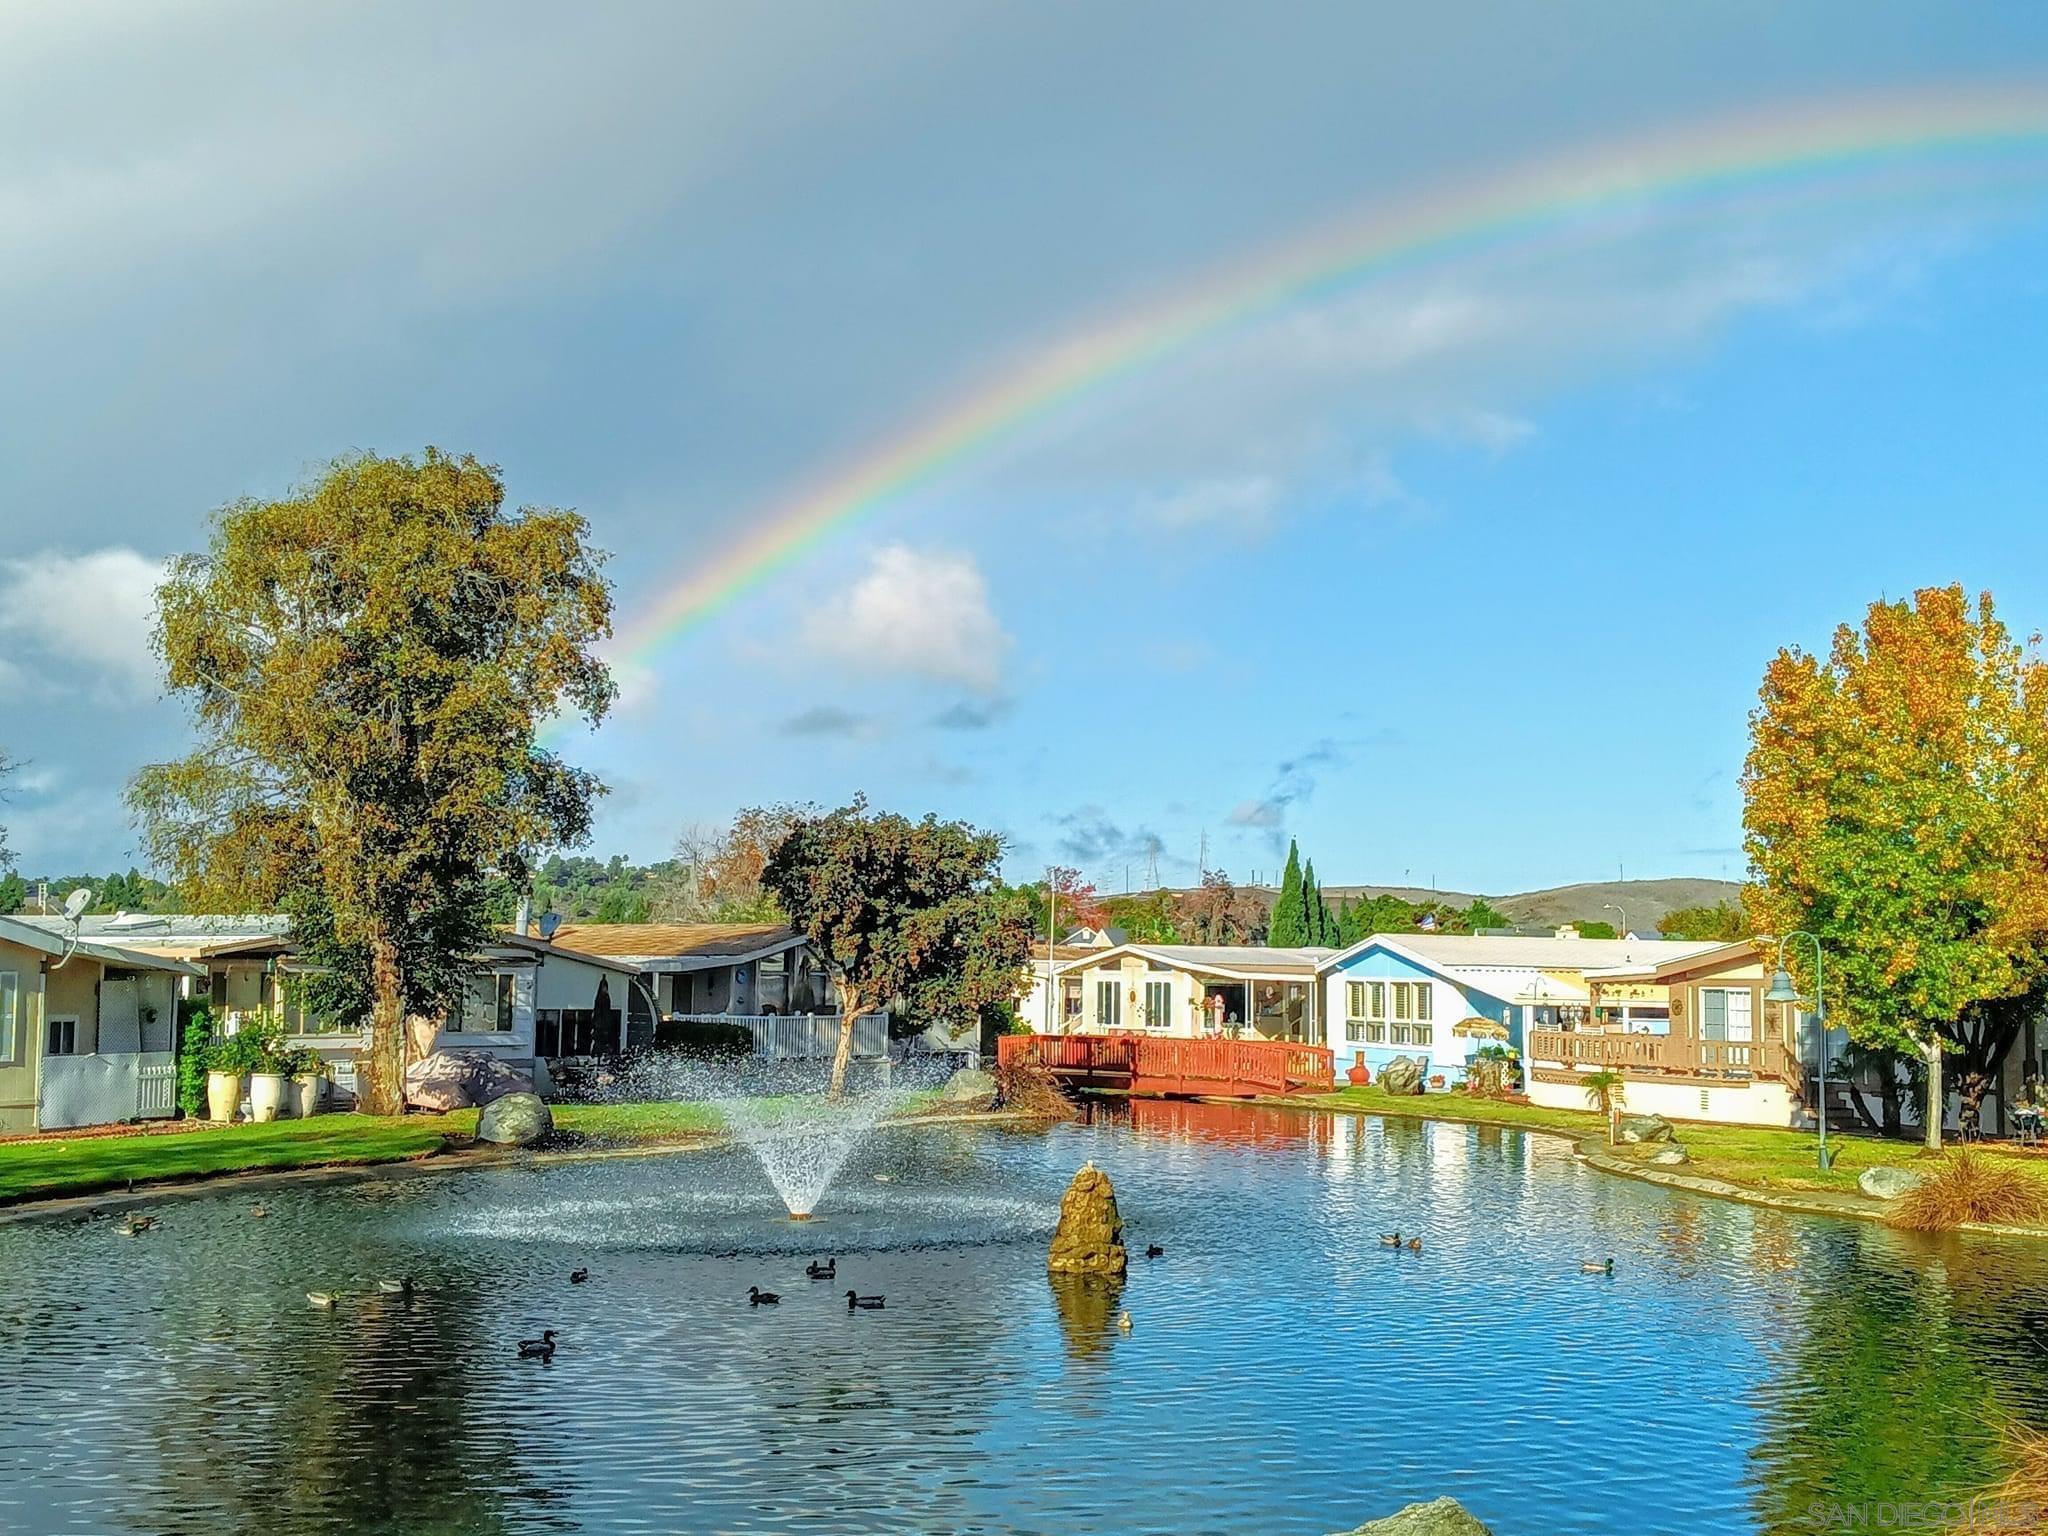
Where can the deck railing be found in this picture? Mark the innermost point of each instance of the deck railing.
(1659, 1055)
(1172, 1064)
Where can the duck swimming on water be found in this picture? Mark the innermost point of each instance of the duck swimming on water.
(542, 1348)
(1597, 1267)
(1390, 1239)
(863, 1303)
(578, 1276)
(756, 1297)
(829, 1270)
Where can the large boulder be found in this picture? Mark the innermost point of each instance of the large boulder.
(1090, 1237)
(969, 1088)
(1632, 1130)
(1439, 1517)
(1887, 1183)
(461, 1080)
(1404, 1074)
(1669, 1155)
(515, 1120)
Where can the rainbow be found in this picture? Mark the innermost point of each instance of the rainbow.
(1616, 184)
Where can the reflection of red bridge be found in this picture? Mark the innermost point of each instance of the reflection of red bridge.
(1160, 1064)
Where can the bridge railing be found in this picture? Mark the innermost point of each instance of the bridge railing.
(1168, 1064)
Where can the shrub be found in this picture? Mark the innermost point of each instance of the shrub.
(195, 1042)
(1969, 1186)
(703, 1037)
(235, 1053)
(1028, 1086)
(2018, 1506)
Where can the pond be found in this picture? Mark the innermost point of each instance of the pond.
(1743, 1370)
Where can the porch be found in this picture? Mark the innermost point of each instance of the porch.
(800, 1036)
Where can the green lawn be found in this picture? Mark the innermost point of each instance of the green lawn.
(1747, 1155)
(638, 1122)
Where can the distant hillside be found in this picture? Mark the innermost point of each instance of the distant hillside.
(1645, 901)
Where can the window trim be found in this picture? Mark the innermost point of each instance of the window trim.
(50, 1022)
(11, 1018)
(1112, 992)
(506, 1007)
(1159, 988)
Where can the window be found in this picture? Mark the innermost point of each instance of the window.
(63, 1037)
(1365, 1007)
(1109, 1004)
(1402, 1003)
(771, 984)
(1070, 999)
(486, 1005)
(10, 1004)
(1158, 1004)
(1725, 1013)
(1423, 1006)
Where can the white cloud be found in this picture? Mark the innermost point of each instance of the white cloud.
(1242, 504)
(82, 618)
(915, 614)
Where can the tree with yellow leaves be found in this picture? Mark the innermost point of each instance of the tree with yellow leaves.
(368, 663)
(1895, 806)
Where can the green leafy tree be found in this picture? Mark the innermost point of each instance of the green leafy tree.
(368, 662)
(1895, 805)
(1153, 918)
(1483, 914)
(1288, 925)
(1593, 928)
(902, 909)
(13, 893)
(621, 903)
(1724, 921)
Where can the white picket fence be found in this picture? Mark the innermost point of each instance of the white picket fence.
(801, 1036)
(104, 1090)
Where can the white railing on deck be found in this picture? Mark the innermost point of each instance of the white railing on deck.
(104, 1090)
(799, 1036)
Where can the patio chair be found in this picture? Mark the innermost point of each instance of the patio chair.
(2026, 1125)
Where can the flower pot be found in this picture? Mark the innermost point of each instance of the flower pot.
(223, 1095)
(1359, 1073)
(310, 1090)
(266, 1095)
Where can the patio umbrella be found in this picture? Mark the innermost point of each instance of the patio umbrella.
(1476, 1028)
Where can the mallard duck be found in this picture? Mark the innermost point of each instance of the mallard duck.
(320, 1298)
(135, 1226)
(1390, 1239)
(578, 1276)
(259, 1211)
(542, 1348)
(1415, 1245)
(829, 1270)
(1154, 1251)
(756, 1297)
(864, 1303)
(1597, 1267)
(402, 1286)
(1123, 1322)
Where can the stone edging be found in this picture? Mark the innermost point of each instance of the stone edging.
(1592, 1152)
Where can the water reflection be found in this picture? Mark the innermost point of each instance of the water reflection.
(1286, 1373)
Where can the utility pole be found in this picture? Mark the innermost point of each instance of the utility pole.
(1052, 901)
(1202, 858)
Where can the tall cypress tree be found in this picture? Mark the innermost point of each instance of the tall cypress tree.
(1289, 926)
(1312, 908)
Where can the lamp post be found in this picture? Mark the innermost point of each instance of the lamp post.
(1608, 906)
(1782, 991)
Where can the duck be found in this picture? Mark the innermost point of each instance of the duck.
(829, 1270)
(1390, 1239)
(542, 1348)
(259, 1211)
(1154, 1251)
(1123, 1322)
(885, 1178)
(1597, 1267)
(323, 1299)
(1415, 1245)
(756, 1297)
(402, 1286)
(864, 1303)
(578, 1276)
(135, 1225)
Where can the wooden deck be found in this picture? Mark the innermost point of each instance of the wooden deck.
(1178, 1068)
(1658, 1056)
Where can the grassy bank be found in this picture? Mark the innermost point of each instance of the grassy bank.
(1750, 1156)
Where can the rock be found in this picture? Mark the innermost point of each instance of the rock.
(1887, 1183)
(1404, 1074)
(1670, 1155)
(969, 1089)
(1439, 1517)
(1632, 1130)
(515, 1120)
(461, 1080)
(1090, 1237)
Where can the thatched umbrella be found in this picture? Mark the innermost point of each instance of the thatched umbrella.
(1476, 1028)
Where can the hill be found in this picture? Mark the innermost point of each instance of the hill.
(1645, 901)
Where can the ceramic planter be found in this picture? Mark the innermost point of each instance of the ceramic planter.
(1359, 1073)
(223, 1095)
(310, 1090)
(266, 1095)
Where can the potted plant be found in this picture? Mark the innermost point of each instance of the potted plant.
(309, 1082)
(269, 1073)
(228, 1060)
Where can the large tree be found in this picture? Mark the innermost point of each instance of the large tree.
(903, 910)
(368, 662)
(1895, 807)
(1289, 923)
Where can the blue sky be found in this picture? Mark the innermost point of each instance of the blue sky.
(1465, 576)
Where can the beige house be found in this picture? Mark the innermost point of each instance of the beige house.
(87, 1030)
(1187, 990)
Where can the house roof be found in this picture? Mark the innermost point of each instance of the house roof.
(1712, 954)
(678, 946)
(1217, 959)
(186, 935)
(1467, 951)
(53, 942)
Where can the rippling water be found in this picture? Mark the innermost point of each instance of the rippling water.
(1743, 1371)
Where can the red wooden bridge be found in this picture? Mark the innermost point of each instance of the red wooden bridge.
(1182, 1068)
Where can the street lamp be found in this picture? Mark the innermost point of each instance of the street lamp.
(1608, 906)
(1782, 991)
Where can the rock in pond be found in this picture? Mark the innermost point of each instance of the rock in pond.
(1635, 1129)
(1403, 1074)
(1090, 1237)
(1887, 1183)
(1439, 1517)
(1670, 1155)
(515, 1120)
(969, 1088)
(461, 1080)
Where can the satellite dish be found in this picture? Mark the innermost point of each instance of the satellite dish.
(76, 903)
(549, 922)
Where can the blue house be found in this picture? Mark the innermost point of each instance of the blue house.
(1384, 998)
